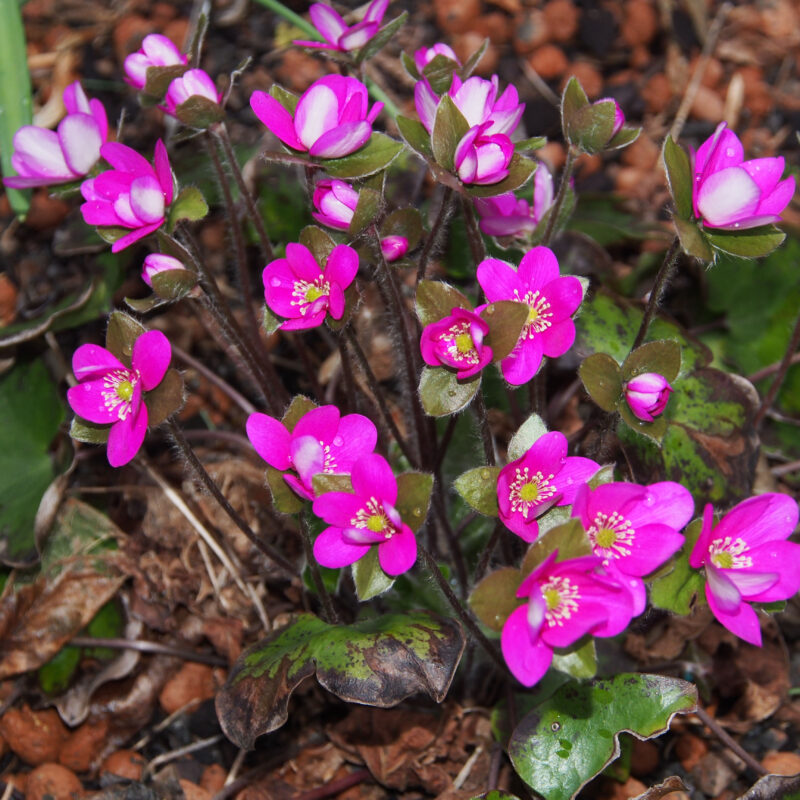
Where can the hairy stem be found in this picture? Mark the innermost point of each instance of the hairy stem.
(555, 210)
(479, 407)
(445, 209)
(476, 243)
(663, 278)
(331, 617)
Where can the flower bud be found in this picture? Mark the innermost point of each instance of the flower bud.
(425, 55)
(394, 247)
(194, 83)
(334, 203)
(156, 51)
(482, 158)
(158, 262)
(647, 395)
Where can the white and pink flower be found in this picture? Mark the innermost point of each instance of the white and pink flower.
(193, 83)
(508, 215)
(156, 51)
(425, 55)
(647, 395)
(338, 35)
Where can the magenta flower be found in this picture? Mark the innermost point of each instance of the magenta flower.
(748, 560)
(549, 330)
(297, 288)
(321, 441)
(634, 529)
(193, 83)
(507, 215)
(477, 100)
(133, 195)
(425, 55)
(394, 247)
(334, 203)
(731, 193)
(545, 476)
(647, 395)
(42, 157)
(457, 342)
(365, 518)
(156, 51)
(481, 158)
(158, 262)
(332, 118)
(566, 601)
(108, 392)
(337, 34)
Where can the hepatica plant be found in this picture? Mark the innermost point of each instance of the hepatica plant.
(471, 444)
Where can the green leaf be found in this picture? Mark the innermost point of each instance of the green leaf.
(413, 497)
(199, 112)
(158, 79)
(591, 127)
(578, 663)
(318, 242)
(520, 170)
(271, 322)
(84, 431)
(567, 740)
(123, 330)
(436, 300)
(409, 65)
(569, 539)
(529, 145)
(381, 38)
(111, 233)
(443, 394)
(532, 429)
(654, 430)
(374, 156)
(15, 95)
(369, 579)
(601, 378)
(439, 73)
(189, 204)
(404, 222)
(31, 413)
(167, 398)
(478, 487)
(662, 356)
(299, 407)
(449, 127)
(283, 498)
(474, 60)
(324, 482)
(369, 203)
(752, 243)
(173, 284)
(679, 177)
(495, 794)
(693, 239)
(623, 137)
(377, 662)
(286, 98)
(55, 676)
(678, 589)
(506, 319)
(415, 135)
(573, 100)
(494, 599)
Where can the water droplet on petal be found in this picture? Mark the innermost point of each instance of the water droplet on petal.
(275, 282)
(649, 500)
(338, 441)
(569, 481)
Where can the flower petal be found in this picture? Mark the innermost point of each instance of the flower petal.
(151, 356)
(341, 140)
(332, 551)
(127, 435)
(399, 553)
(342, 265)
(727, 196)
(740, 620)
(91, 361)
(317, 113)
(270, 439)
(276, 118)
(163, 171)
(327, 22)
(80, 142)
(373, 477)
(538, 267)
(528, 660)
(88, 401)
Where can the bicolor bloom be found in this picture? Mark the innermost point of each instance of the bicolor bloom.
(544, 477)
(482, 158)
(335, 31)
(647, 395)
(108, 392)
(193, 83)
(135, 194)
(394, 247)
(296, 287)
(476, 98)
(748, 560)
(365, 518)
(156, 51)
(634, 529)
(321, 441)
(565, 601)
(334, 203)
(425, 55)
(332, 118)
(159, 262)
(731, 193)
(508, 215)
(457, 342)
(43, 157)
(552, 299)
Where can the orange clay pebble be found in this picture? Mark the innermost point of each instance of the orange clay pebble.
(713, 71)
(193, 683)
(496, 27)
(708, 105)
(35, 736)
(531, 31)
(124, 763)
(465, 44)
(53, 782)
(561, 17)
(549, 61)
(639, 23)
(213, 778)
(643, 153)
(657, 93)
(191, 791)
(83, 746)
(456, 16)
(588, 77)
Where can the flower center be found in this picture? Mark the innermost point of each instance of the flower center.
(529, 489)
(561, 596)
(117, 391)
(611, 535)
(539, 314)
(376, 522)
(727, 553)
(373, 517)
(464, 343)
(460, 345)
(312, 293)
(306, 293)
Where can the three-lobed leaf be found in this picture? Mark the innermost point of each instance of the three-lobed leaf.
(478, 487)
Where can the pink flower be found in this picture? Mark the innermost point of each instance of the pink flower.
(297, 288)
(158, 262)
(133, 195)
(42, 157)
(634, 529)
(732, 193)
(457, 342)
(549, 330)
(394, 247)
(647, 395)
(477, 100)
(483, 159)
(748, 560)
(566, 601)
(506, 215)
(619, 115)
(425, 55)
(365, 518)
(334, 203)
(156, 51)
(321, 441)
(337, 34)
(544, 477)
(193, 83)
(332, 118)
(108, 392)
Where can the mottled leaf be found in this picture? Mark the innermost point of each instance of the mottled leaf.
(299, 406)
(199, 112)
(165, 399)
(751, 243)
(369, 203)
(449, 127)
(569, 539)
(158, 79)
(439, 73)
(693, 240)
(283, 498)
(415, 135)
(580, 662)
(123, 330)
(318, 242)
(677, 589)
(520, 170)
(286, 98)
(173, 284)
